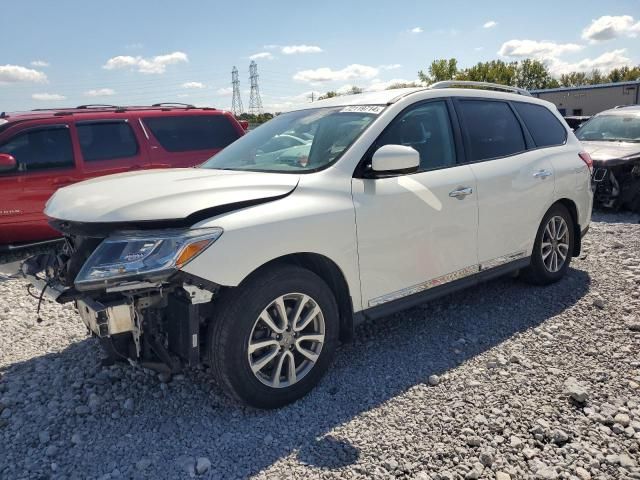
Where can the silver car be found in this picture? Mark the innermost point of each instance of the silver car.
(613, 140)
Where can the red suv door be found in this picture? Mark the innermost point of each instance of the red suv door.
(46, 162)
(188, 139)
(110, 146)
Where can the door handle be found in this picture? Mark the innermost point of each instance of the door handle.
(461, 192)
(542, 174)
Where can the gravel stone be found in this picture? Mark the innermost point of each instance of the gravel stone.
(368, 418)
(434, 380)
(143, 464)
(203, 464)
(576, 390)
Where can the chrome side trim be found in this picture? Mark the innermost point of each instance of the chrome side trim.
(421, 287)
(449, 277)
(496, 262)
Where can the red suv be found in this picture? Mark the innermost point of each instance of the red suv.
(43, 150)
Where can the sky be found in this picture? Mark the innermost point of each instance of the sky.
(72, 52)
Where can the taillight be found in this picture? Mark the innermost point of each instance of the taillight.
(586, 158)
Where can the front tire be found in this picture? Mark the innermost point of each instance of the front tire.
(553, 247)
(274, 336)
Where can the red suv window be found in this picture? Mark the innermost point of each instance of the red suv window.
(41, 148)
(106, 139)
(193, 132)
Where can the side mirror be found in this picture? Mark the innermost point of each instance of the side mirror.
(7, 163)
(244, 124)
(395, 159)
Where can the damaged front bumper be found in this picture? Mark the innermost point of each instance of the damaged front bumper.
(616, 184)
(159, 323)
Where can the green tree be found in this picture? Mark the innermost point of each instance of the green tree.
(393, 86)
(439, 70)
(533, 74)
(329, 94)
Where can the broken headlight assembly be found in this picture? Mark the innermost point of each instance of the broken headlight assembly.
(149, 256)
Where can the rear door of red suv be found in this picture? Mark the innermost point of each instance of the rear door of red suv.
(186, 137)
(109, 144)
(46, 158)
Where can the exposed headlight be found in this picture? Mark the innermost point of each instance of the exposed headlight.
(149, 256)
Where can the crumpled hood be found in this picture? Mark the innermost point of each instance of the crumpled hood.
(603, 151)
(163, 194)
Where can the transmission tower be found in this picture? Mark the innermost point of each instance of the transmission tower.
(236, 103)
(255, 102)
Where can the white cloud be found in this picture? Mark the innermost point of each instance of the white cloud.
(17, 74)
(608, 27)
(535, 49)
(226, 91)
(100, 92)
(193, 85)
(391, 66)
(490, 24)
(261, 55)
(478, 49)
(39, 63)
(416, 30)
(605, 63)
(325, 74)
(270, 46)
(157, 64)
(48, 97)
(293, 49)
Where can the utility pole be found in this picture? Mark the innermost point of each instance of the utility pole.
(236, 102)
(255, 102)
(312, 96)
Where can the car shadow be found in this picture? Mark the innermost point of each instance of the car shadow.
(191, 417)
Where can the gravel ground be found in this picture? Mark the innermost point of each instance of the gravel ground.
(503, 381)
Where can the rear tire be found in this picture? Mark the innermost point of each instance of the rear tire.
(266, 359)
(552, 249)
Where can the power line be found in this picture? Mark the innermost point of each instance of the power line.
(236, 102)
(255, 102)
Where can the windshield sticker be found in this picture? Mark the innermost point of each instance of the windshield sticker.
(375, 109)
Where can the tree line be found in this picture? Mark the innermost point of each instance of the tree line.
(528, 74)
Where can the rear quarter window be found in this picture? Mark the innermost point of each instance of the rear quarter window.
(193, 132)
(492, 129)
(544, 127)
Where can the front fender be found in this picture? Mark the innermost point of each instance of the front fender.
(310, 220)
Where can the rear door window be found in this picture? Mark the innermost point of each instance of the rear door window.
(105, 140)
(491, 128)
(41, 148)
(193, 132)
(543, 125)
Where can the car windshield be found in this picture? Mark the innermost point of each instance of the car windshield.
(301, 141)
(611, 128)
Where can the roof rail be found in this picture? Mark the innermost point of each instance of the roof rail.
(96, 105)
(625, 106)
(173, 104)
(480, 85)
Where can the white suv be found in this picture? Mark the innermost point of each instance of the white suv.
(260, 261)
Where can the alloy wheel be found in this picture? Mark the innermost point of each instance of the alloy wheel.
(286, 340)
(555, 244)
